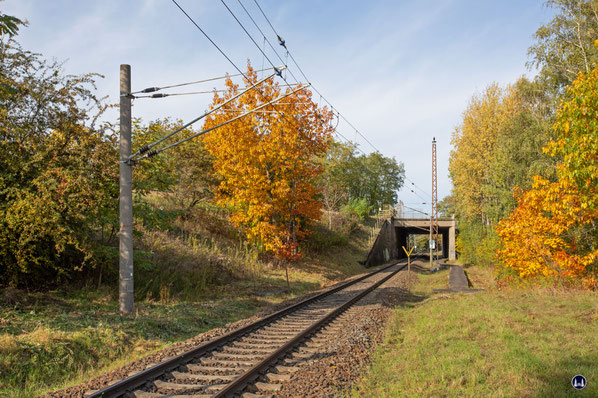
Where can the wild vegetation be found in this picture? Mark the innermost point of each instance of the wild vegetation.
(214, 220)
(269, 170)
(523, 162)
(54, 339)
(59, 181)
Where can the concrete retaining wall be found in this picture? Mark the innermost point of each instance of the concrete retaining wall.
(385, 247)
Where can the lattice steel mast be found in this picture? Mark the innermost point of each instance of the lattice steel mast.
(434, 214)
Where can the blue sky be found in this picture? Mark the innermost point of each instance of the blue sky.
(401, 71)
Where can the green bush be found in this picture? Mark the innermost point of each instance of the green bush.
(58, 172)
(479, 244)
(358, 208)
(322, 238)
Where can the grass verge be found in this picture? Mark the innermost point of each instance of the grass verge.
(498, 343)
(53, 340)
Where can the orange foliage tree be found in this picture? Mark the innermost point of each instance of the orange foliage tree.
(552, 231)
(538, 237)
(268, 162)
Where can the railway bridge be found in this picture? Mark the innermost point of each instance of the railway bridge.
(395, 232)
(408, 226)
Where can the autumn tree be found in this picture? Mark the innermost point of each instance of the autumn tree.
(474, 144)
(545, 232)
(268, 162)
(552, 231)
(577, 136)
(499, 144)
(517, 155)
(497, 147)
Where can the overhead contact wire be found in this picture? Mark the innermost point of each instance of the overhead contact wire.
(248, 35)
(222, 52)
(154, 89)
(268, 41)
(162, 95)
(149, 146)
(153, 153)
(262, 51)
(277, 71)
(283, 44)
(209, 38)
(275, 52)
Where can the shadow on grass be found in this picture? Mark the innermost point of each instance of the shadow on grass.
(419, 268)
(556, 378)
(15, 298)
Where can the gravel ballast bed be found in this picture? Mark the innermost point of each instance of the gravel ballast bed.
(131, 368)
(351, 347)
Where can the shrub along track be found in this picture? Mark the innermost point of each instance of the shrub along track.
(256, 359)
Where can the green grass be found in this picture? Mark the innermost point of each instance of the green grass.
(498, 343)
(52, 340)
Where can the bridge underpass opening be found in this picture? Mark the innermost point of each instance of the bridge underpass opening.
(419, 241)
(409, 227)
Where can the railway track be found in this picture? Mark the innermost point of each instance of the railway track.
(254, 360)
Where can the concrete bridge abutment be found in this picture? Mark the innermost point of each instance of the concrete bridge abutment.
(395, 232)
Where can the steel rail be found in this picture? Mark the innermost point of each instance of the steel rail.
(242, 381)
(132, 382)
